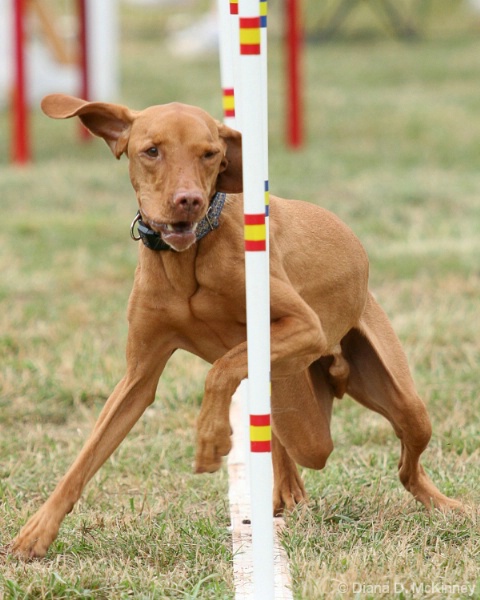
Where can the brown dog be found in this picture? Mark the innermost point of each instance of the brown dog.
(328, 334)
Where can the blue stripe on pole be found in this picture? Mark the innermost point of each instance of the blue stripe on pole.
(263, 13)
(267, 199)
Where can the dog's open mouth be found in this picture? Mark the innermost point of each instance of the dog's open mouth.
(179, 236)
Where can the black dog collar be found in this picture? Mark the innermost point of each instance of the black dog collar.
(153, 240)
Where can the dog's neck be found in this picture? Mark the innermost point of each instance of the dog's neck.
(153, 240)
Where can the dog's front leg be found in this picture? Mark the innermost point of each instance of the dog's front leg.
(297, 339)
(122, 410)
(213, 425)
(145, 363)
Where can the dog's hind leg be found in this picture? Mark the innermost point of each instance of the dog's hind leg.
(288, 487)
(301, 411)
(380, 379)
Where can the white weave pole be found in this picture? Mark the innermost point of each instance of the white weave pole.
(251, 90)
(243, 66)
(228, 45)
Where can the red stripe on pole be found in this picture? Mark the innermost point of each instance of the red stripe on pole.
(234, 7)
(294, 100)
(260, 446)
(255, 245)
(260, 420)
(20, 140)
(255, 219)
(249, 22)
(249, 49)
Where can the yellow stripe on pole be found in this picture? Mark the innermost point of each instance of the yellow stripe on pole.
(255, 233)
(228, 102)
(260, 434)
(249, 36)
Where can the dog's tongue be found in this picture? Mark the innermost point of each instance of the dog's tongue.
(179, 236)
(182, 227)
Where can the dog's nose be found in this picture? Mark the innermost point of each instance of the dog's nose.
(188, 201)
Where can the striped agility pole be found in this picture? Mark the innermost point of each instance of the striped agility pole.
(227, 46)
(264, 55)
(252, 87)
(243, 71)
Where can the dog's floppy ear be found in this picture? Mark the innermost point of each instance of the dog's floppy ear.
(230, 178)
(112, 122)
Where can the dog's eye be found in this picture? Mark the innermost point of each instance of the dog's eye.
(210, 154)
(152, 152)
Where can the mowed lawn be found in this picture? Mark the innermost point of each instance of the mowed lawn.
(393, 147)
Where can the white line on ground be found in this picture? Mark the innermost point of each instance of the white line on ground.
(239, 497)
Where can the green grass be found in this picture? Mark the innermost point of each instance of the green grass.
(393, 147)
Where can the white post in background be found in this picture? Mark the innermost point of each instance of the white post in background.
(228, 42)
(251, 91)
(6, 51)
(229, 49)
(102, 42)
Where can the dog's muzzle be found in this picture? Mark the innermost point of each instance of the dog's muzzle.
(153, 240)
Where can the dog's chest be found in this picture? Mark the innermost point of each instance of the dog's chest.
(211, 305)
(211, 324)
(220, 288)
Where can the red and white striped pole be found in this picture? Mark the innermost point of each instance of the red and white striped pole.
(20, 139)
(251, 90)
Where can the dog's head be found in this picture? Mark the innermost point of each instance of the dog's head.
(179, 158)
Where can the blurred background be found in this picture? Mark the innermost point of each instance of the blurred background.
(391, 124)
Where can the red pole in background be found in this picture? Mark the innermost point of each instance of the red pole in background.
(83, 59)
(294, 96)
(20, 139)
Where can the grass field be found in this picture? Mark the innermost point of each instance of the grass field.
(393, 147)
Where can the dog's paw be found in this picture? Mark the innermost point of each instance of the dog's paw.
(213, 439)
(211, 447)
(288, 493)
(209, 455)
(445, 504)
(36, 536)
